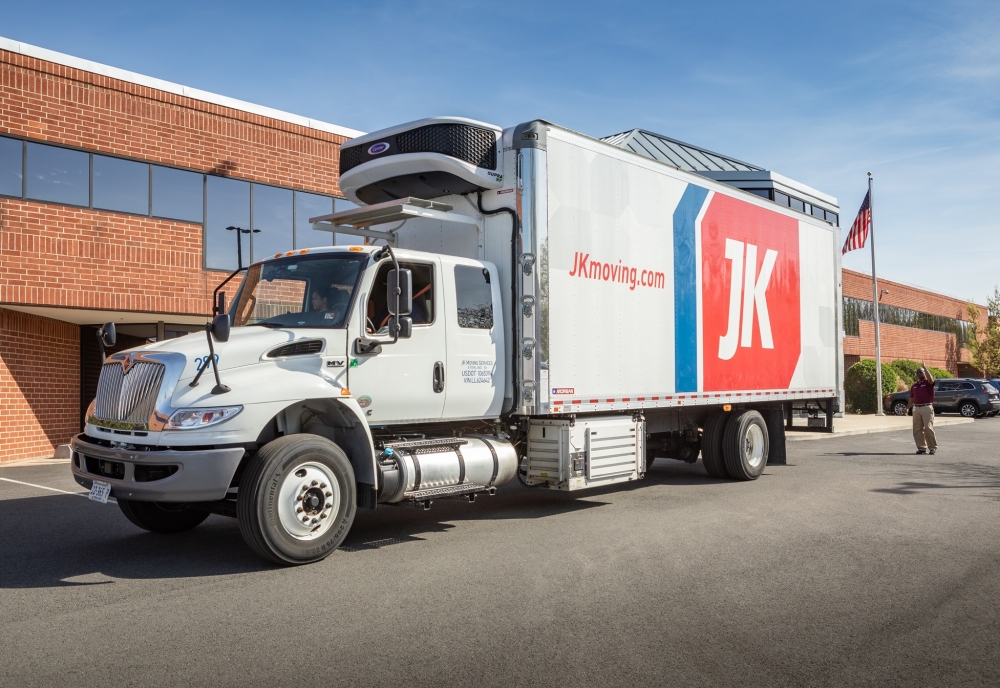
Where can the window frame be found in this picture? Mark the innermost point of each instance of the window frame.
(403, 265)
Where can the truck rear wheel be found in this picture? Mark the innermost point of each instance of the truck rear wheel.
(745, 445)
(162, 517)
(711, 445)
(297, 499)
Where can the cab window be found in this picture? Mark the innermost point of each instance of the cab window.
(423, 297)
(473, 297)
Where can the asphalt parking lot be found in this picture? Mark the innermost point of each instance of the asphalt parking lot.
(857, 563)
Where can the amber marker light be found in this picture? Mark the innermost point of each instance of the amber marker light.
(727, 407)
(356, 248)
(345, 392)
(303, 252)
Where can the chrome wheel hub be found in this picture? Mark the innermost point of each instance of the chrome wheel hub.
(308, 500)
(753, 446)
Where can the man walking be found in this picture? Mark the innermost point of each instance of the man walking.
(922, 403)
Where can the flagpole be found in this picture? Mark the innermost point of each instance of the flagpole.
(878, 343)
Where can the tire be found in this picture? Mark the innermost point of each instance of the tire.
(161, 517)
(271, 496)
(969, 409)
(745, 445)
(711, 445)
(899, 408)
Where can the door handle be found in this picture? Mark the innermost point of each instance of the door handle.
(438, 377)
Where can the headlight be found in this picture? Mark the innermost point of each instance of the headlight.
(189, 419)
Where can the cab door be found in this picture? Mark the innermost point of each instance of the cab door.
(405, 381)
(475, 366)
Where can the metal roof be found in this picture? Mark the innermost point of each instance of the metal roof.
(677, 153)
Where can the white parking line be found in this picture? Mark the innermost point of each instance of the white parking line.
(52, 489)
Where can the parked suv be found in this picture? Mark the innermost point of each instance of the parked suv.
(969, 397)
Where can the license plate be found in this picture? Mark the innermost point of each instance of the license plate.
(100, 491)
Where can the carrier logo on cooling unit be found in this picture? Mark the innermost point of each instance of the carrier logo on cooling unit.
(377, 148)
(750, 296)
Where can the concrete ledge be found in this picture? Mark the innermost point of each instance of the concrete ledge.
(863, 425)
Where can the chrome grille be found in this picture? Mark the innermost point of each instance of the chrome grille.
(128, 397)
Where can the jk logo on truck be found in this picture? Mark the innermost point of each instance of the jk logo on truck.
(750, 296)
(754, 293)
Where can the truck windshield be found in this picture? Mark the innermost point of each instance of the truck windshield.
(306, 291)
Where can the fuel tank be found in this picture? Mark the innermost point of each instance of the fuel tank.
(427, 468)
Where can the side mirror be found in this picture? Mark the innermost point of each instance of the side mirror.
(107, 334)
(220, 327)
(402, 324)
(403, 279)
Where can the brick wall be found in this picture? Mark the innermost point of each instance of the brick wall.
(51, 102)
(39, 384)
(935, 348)
(54, 255)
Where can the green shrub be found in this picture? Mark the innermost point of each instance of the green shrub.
(907, 370)
(859, 386)
(939, 373)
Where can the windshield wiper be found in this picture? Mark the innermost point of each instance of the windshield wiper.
(264, 323)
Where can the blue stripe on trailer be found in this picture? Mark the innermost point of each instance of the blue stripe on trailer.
(685, 290)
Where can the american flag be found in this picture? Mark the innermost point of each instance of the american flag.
(858, 235)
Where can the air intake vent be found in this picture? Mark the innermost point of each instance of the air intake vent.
(303, 348)
(471, 144)
(474, 145)
(351, 157)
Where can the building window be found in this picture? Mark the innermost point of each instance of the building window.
(178, 194)
(474, 297)
(11, 167)
(856, 310)
(818, 212)
(272, 217)
(763, 193)
(796, 204)
(833, 218)
(86, 179)
(346, 239)
(121, 185)
(227, 204)
(780, 198)
(311, 205)
(58, 174)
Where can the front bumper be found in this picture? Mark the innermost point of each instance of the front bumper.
(202, 475)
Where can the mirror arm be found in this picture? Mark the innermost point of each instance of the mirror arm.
(219, 387)
(100, 343)
(215, 294)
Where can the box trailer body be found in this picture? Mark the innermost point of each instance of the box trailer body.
(570, 312)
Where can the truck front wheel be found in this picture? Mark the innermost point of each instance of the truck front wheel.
(297, 499)
(745, 445)
(163, 517)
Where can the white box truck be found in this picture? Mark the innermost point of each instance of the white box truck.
(527, 303)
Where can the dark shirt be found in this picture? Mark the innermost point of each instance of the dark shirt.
(922, 392)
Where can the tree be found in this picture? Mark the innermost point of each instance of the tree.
(984, 337)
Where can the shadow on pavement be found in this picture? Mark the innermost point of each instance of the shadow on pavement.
(951, 476)
(56, 540)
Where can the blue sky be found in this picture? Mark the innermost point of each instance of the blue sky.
(820, 92)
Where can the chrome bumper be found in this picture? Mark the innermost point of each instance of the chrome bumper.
(201, 476)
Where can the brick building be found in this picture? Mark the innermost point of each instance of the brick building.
(116, 190)
(115, 193)
(914, 323)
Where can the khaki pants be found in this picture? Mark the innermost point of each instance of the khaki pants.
(923, 427)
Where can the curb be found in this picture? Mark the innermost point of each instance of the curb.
(806, 436)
